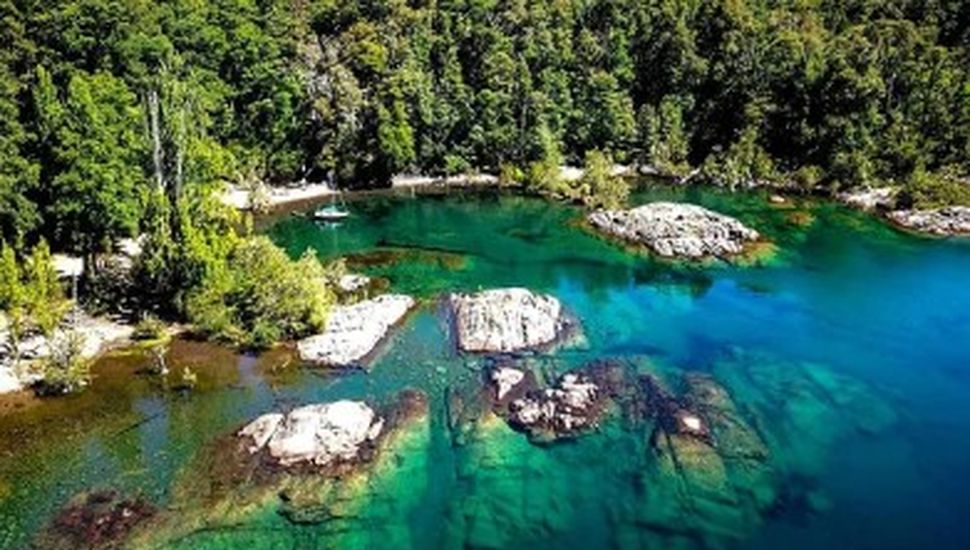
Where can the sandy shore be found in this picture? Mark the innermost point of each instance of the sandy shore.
(238, 198)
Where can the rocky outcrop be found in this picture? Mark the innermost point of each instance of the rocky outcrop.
(9, 378)
(569, 407)
(352, 282)
(676, 230)
(507, 320)
(354, 331)
(951, 220)
(318, 435)
(505, 379)
(870, 198)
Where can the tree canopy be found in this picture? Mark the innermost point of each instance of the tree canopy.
(103, 101)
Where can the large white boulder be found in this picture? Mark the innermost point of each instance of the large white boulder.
(353, 332)
(9, 381)
(506, 320)
(676, 230)
(318, 434)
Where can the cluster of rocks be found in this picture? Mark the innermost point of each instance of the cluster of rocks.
(507, 320)
(676, 230)
(946, 221)
(870, 198)
(951, 220)
(571, 406)
(318, 435)
(354, 331)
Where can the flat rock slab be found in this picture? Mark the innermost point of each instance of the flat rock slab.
(951, 220)
(676, 230)
(353, 332)
(506, 320)
(318, 434)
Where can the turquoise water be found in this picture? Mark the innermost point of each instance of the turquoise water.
(847, 353)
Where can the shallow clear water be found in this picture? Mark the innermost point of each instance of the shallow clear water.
(847, 352)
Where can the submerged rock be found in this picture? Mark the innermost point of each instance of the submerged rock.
(676, 230)
(951, 220)
(712, 473)
(315, 434)
(354, 331)
(101, 519)
(507, 320)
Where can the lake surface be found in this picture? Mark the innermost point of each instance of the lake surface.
(847, 352)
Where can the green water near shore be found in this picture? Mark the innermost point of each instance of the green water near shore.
(846, 354)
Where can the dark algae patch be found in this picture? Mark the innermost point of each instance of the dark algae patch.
(794, 403)
(101, 519)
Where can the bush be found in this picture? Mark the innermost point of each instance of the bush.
(261, 296)
(599, 188)
(510, 175)
(149, 328)
(30, 294)
(65, 370)
(744, 164)
(933, 190)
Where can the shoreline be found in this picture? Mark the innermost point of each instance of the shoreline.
(287, 195)
(286, 198)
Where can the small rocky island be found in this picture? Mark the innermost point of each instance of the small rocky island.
(319, 435)
(354, 331)
(507, 320)
(676, 230)
(948, 221)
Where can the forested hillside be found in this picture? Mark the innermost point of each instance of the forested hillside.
(104, 101)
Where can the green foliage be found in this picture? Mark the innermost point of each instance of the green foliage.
(933, 190)
(93, 195)
(261, 296)
(30, 293)
(65, 370)
(45, 296)
(149, 327)
(663, 138)
(599, 188)
(105, 105)
(744, 164)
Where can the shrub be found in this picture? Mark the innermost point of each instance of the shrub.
(149, 328)
(30, 294)
(510, 175)
(599, 188)
(261, 296)
(933, 190)
(66, 369)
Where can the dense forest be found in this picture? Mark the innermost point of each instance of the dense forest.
(102, 101)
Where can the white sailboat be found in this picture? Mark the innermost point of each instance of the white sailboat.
(332, 213)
